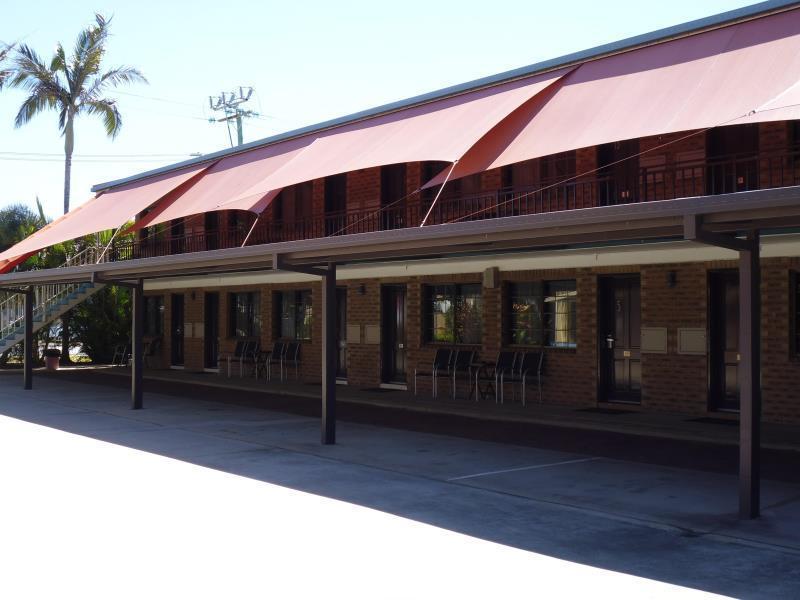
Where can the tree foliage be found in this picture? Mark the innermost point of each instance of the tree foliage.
(101, 322)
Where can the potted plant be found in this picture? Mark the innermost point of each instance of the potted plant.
(51, 358)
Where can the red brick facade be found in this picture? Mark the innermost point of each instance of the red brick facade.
(670, 382)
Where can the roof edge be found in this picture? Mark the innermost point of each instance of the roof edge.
(625, 45)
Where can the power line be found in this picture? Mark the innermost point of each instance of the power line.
(61, 154)
(156, 99)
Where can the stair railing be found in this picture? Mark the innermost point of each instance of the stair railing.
(47, 298)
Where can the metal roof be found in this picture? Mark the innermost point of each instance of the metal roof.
(659, 36)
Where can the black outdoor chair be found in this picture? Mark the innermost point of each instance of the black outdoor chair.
(250, 357)
(273, 357)
(462, 364)
(528, 369)
(488, 376)
(122, 354)
(152, 349)
(238, 352)
(291, 358)
(439, 368)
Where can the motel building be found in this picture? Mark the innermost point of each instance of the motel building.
(616, 228)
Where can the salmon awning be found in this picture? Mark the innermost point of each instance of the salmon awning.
(105, 211)
(442, 130)
(742, 73)
(228, 178)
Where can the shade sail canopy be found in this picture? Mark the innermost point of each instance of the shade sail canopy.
(228, 178)
(442, 130)
(105, 211)
(742, 73)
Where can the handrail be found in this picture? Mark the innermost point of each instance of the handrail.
(12, 309)
(653, 180)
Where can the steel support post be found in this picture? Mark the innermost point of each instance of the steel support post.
(750, 379)
(329, 355)
(137, 332)
(27, 360)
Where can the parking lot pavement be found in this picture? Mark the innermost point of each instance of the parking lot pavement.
(244, 497)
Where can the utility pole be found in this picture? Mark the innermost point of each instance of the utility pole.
(229, 103)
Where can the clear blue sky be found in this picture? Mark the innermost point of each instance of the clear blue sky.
(308, 61)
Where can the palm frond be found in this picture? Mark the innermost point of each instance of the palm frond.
(40, 210)
(34, 104)
(89, 52)
(113, 78)
(5, 73)
(29, 69)
(107, 109)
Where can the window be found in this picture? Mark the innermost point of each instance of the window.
(557, 167)
(294, 315)
(245, 314)
(153, 315)
(542, 314)
(454, 314)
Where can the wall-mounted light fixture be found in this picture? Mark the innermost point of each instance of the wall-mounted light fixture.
(672, 279)
(362, 289)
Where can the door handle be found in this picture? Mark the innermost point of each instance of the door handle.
(400, 346)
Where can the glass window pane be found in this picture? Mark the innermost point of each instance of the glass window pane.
(469, 314)
(560, 318)
(525, 314)
(441, 314)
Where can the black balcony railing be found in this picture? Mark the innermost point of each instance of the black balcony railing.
(664, 182)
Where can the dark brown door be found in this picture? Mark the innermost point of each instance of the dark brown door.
(393, 191)
(732, 159)
(211, 226)
(393, 338)
(341, 333)
(618, 172)
(723, 357)
(176, 333)
(211, 330)
(335, 203)
(620, 330)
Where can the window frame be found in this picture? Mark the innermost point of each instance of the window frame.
(300, 319)
(252, 314)
(455, 295)
(542, 334)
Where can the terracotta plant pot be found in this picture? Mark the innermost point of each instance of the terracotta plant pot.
(51, 363)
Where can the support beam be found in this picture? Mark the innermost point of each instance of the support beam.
(27, 359)
(750, 379)
(329, 351)
(693, 231)
(279, 264)
(137, 332)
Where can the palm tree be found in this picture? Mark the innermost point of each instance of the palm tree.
(72, 86)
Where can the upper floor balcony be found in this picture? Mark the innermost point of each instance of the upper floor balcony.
(691, 178)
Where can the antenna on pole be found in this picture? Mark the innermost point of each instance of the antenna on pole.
(229, 103)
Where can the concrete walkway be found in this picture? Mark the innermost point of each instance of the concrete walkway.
(720, 428)
(384, 513)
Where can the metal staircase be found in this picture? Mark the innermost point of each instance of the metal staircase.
(50, 302)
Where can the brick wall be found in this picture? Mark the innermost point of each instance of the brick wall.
(671, 382)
